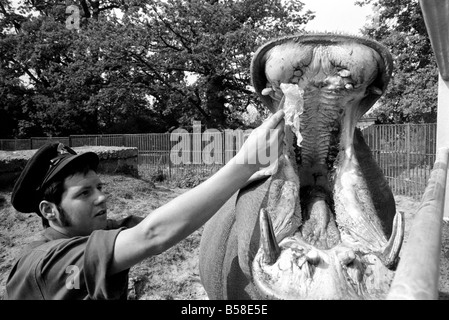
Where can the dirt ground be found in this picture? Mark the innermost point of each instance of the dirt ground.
(171, 275)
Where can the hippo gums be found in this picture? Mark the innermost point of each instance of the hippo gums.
(324, 225)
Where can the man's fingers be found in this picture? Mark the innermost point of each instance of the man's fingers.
(274, 120)
(280, 126)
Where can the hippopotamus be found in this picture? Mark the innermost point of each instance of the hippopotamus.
(324, 224)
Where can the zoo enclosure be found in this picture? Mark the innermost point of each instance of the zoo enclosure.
(405, 152)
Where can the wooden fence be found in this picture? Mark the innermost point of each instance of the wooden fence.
(177, 155)
(405, 152)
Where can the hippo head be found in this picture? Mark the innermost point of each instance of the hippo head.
(324, 225)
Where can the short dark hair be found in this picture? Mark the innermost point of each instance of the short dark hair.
(54, 190)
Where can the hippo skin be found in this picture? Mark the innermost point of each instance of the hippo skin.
(324, 225)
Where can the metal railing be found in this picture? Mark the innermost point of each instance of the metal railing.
(418, 271)
(405, 153)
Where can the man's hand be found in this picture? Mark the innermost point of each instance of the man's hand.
(264, 145)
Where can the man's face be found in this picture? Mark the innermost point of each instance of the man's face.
(84, 204)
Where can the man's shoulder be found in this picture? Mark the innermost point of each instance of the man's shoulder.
(43, 270)
(38, 250)
(23, 278)
(49, 251)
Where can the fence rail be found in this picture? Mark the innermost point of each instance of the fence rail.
(405, 152)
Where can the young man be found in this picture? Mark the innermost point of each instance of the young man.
(82, 254)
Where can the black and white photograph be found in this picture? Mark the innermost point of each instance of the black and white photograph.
(222, 154)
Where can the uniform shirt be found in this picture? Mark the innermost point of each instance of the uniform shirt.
(57, 267)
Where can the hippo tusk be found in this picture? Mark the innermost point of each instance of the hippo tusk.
(269, 244)
(390, 252)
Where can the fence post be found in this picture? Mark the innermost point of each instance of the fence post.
(408, 145)
(167, 143)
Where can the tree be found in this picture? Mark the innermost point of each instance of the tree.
(194, 56)
(59, 75)
(412, 93)
(148, 66)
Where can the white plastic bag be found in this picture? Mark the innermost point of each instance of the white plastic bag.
(293, 107)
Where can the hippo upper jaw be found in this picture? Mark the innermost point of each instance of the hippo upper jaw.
(328, 229)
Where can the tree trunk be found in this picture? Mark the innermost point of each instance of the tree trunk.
(95, 8)
(215, 102)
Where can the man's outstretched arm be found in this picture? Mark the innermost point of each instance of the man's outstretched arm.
(177, 219)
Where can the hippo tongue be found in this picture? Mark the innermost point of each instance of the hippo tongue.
(319, 229)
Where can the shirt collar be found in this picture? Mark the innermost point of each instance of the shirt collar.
(52, 234)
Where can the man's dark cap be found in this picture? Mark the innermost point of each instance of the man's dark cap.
(48, 163)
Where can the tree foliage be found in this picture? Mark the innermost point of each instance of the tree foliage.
(134, 66)
(412, 93)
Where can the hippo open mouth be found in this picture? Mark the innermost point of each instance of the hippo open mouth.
(323, 226)
(327, 229)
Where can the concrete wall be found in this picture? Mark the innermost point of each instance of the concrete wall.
(121, 160)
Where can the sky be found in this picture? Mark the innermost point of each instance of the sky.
(337, 15)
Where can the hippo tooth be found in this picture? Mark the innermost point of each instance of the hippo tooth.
(344, 73)
(313, 257)
(269, 243)
(390, 251)
(346, 257)
(267, 91)
(284, 263)
(307, 273)
(300, 261)
(349, 86)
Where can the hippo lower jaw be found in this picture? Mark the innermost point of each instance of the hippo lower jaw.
(302, 271)
(328, 229)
